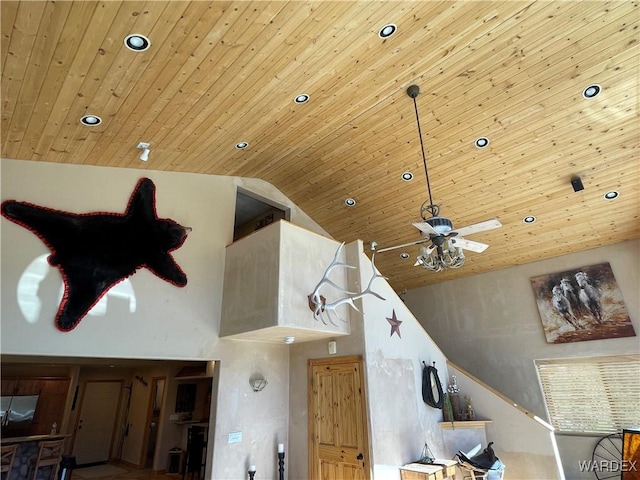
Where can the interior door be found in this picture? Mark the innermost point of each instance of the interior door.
(338, 440)
(96, 421)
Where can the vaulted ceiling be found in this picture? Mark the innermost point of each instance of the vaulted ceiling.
(218, 73)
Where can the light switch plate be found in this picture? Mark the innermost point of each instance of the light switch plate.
(235, 437)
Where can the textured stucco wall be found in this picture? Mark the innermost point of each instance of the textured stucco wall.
(401, 422)
(490, 326)
(169, 322)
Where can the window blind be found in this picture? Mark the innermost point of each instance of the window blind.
(596, 395)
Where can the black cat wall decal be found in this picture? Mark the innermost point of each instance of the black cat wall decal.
(94, 251)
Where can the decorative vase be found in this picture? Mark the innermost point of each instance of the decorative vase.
(469, 414)
(447, 411)
(455, 406)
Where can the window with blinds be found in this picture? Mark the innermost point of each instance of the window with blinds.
(595, 395)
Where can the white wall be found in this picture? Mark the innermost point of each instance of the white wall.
(169, 322)
(490, 326)
(268, 278)
(401, 422)
(524, 445)
(353, 344)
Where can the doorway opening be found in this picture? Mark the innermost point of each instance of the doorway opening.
(154, 413)
(254, 212)
(118, 413)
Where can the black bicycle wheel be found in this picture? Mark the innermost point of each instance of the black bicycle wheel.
(607, 454)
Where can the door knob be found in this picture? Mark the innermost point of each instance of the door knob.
(360, 456)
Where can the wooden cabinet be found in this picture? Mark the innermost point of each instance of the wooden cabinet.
(52, 395)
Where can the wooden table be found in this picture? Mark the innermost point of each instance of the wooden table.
(421, 471)
(438, 470)
(449, 467)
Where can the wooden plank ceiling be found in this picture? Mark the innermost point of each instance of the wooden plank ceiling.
(218, 73)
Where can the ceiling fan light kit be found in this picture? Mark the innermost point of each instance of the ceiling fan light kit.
(442, 244)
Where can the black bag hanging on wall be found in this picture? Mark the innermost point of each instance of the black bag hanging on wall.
(431, 381)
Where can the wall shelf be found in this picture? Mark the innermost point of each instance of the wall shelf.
(465, 424)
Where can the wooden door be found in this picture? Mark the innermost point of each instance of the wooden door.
(96, 421)
(338, 440)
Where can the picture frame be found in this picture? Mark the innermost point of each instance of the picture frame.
(581, 304)
(630, 454)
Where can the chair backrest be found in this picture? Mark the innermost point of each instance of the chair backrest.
(50, 452)
(472, 471)
(7, 454)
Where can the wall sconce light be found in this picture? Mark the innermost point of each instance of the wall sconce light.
(144, 146)
(257, 382)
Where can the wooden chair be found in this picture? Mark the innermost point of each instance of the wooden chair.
(49, 455)
(7, 454)
(472, 472)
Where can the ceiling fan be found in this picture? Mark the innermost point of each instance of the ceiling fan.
(443, 245)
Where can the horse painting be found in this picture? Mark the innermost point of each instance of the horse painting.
(581, 304)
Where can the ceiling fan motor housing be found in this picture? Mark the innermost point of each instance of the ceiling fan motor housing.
(441, 225)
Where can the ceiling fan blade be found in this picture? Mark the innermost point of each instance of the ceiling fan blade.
(468, 244)
(424, 240)
(477, 227)
(425, 227)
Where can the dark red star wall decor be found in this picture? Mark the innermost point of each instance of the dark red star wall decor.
(94, 251)
(395, 324)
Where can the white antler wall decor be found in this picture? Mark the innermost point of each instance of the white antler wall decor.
(323, 310)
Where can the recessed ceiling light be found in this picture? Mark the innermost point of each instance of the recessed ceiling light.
(591, 91)
(137, 42)
(350, 202)
(407, 176)
(404, 255)
(529, 219)
(302, 98)
(91, 120)
(387, 31)
(611, 195)
(289, 340)
(242, 145)
(481, 142)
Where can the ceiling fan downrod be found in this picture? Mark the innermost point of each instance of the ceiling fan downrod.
(413, 91)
